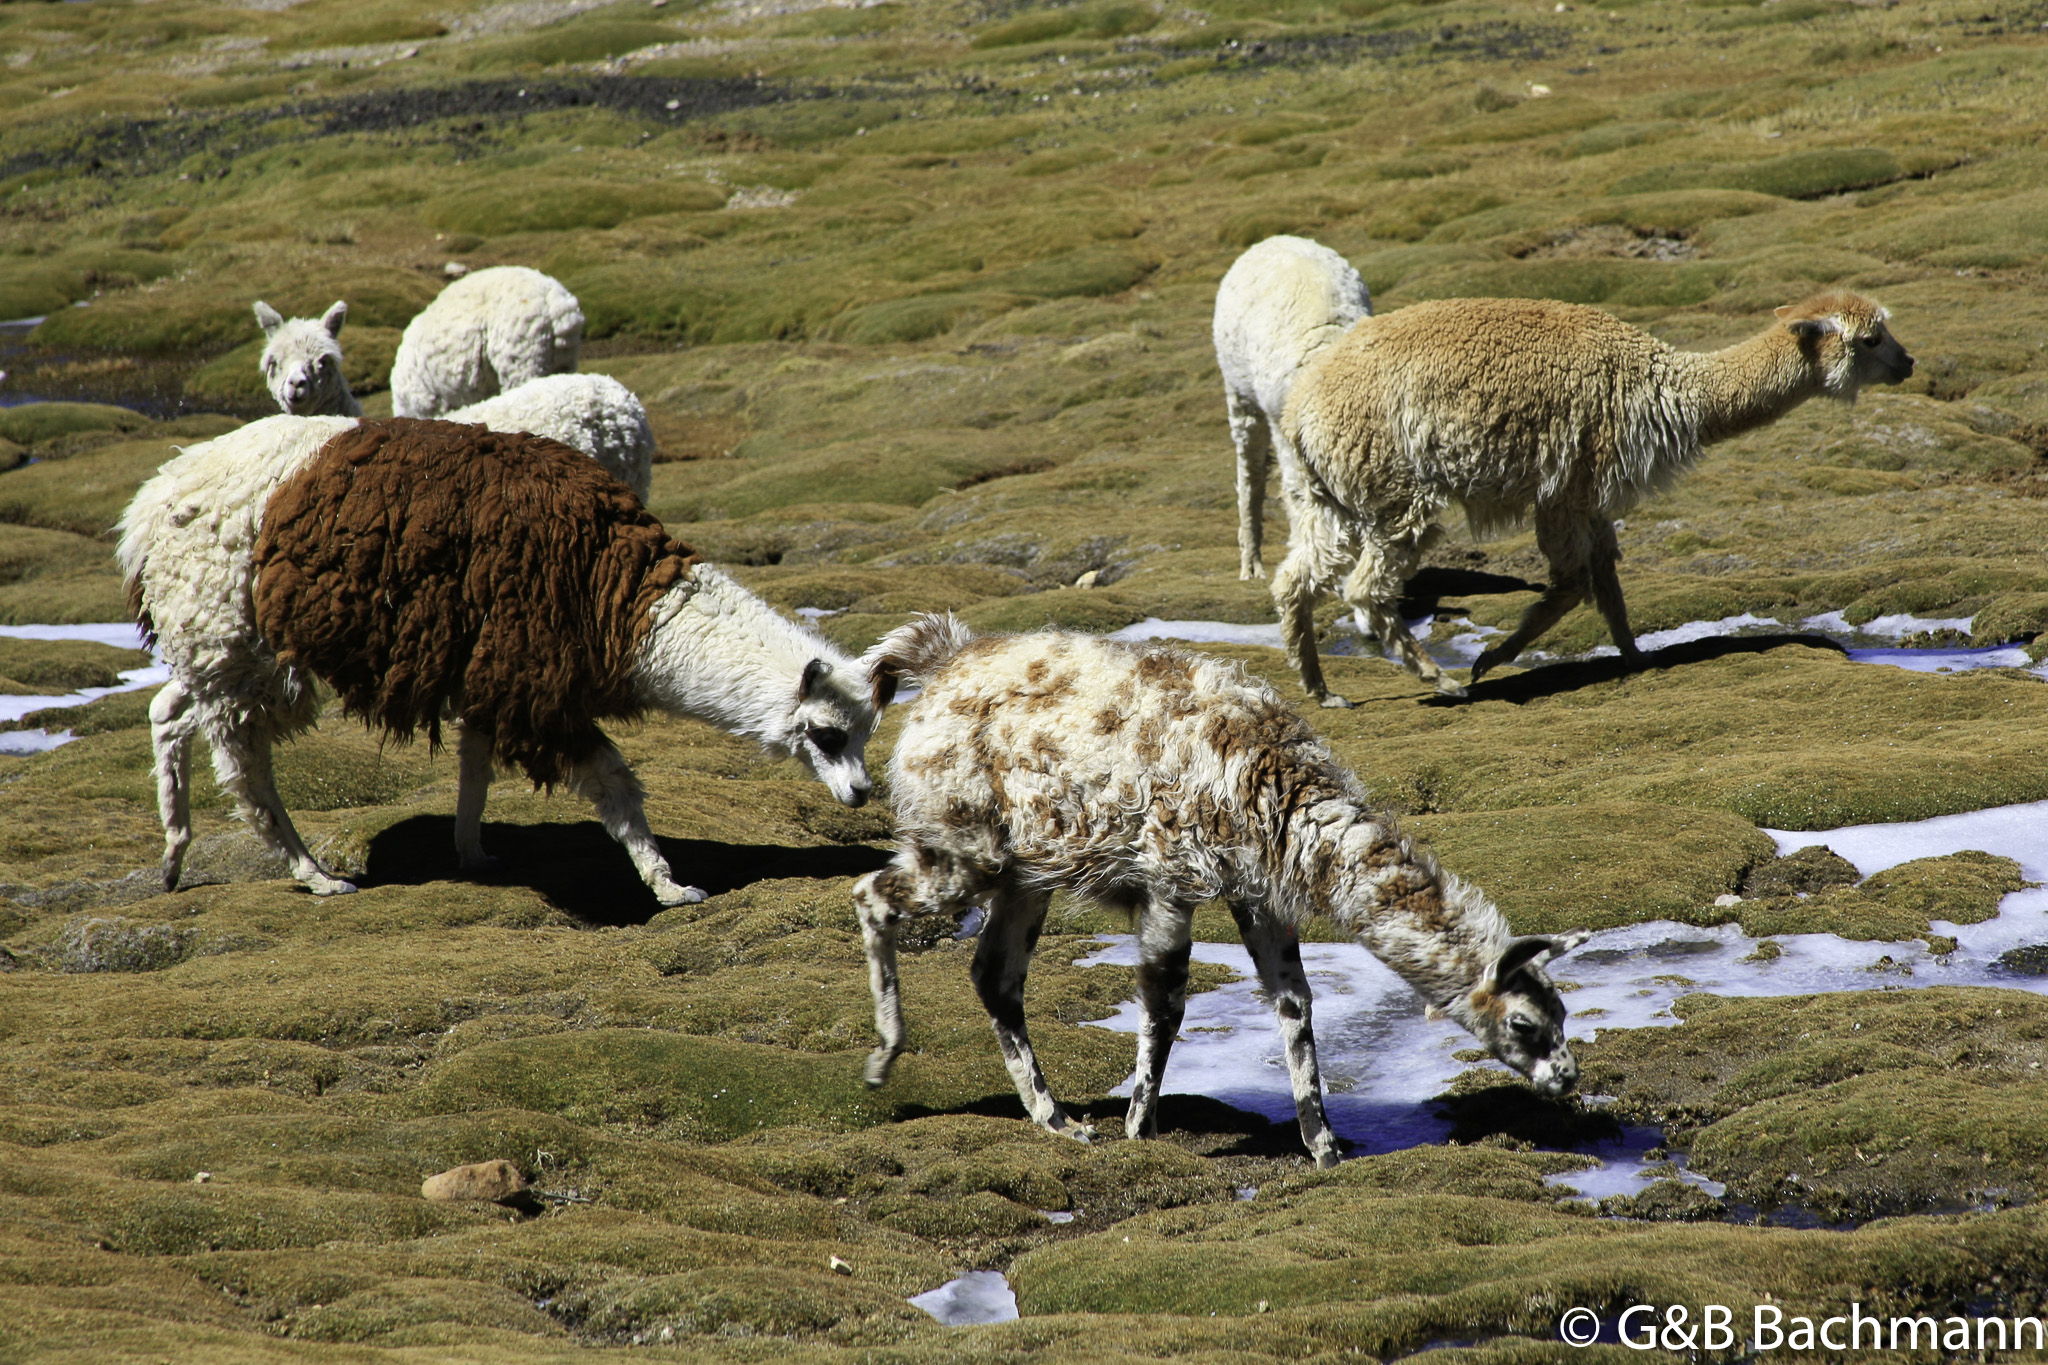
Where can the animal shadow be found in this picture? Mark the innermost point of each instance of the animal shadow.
(1517, 1113)
(580, 870)
(1426, 590)
(1549, 680)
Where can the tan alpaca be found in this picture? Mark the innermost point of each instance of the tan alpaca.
(1508, 406)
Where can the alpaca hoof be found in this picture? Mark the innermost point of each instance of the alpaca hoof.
(1333, 702)
(1255, 571)
(673, 895)
(879, 1062)
(321, 885)
(1449, 687)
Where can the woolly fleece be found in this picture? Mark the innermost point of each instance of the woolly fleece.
(430, 568)
(592, 412)
(489, 331)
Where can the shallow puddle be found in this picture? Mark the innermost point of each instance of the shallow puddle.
(1383, 1062)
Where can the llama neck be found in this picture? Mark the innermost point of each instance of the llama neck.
(1439, 935)
(717, 652)
(1748, 384)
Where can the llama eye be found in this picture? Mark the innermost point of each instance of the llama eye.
(828, 740)
(1870, 342)
(1524, 1028)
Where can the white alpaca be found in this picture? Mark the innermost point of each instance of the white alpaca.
(487, 332)
(1281, 303)
(1508, 407)
(192, 550)
(302, 362)
(593, 413)
(1158, 780)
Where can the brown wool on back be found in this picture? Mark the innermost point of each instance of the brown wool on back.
(423, 568)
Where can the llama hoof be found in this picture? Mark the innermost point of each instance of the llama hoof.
(672, 894)
(1327, 1159)
(1448, 687)
(879, 1062)
(1333, 702)
(322, 885)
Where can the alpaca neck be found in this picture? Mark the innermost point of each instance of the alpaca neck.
(1439, 935)
(717, 652)
(1750, 384)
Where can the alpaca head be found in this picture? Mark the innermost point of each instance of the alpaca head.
(1845, 335)
(302, 362)
(1517, 1013)
(828, 727)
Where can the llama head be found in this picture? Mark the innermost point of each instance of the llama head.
(1845, 335)
(828, 727)
(302, 362)
(1517, 1013)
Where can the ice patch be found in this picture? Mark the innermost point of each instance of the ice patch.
(1896, 626)
(120, 634)
(980, 1296)
(1200, 632)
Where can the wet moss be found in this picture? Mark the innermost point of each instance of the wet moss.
(60, 666)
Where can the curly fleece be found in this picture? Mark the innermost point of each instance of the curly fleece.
(428, 569)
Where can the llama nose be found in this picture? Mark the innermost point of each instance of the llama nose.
(858, 796)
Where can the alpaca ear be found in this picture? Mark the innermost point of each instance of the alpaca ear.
(814, 673)
(334, 317)
(268, 318)
(1534, 951)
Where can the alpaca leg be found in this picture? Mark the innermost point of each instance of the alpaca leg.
(1563, 542)
(474, 749)
(918, 882)
(1375, 587)
(606, 780)
(1606, 587)
(1294, 598)
(1164, 932)
(1001, 962)
(241, 760)
(171, 722)
(1249, 433)
(1276, 953)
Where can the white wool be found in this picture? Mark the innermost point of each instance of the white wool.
(1280, 304)
(187, 539)
(489, 331)
(593, 413)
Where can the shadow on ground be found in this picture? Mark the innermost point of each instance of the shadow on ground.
(582, 871)
(1549, 680)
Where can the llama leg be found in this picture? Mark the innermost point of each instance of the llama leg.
(1164, 932)
(1276, 953)
(171, 722)
(1606, 586)
(1563, 543)
(606, 780)
(1374, 587)
(1001, 962)
(1248, 432)
(919, 881)
(1294, 598)
(474, 748)
(241, 760)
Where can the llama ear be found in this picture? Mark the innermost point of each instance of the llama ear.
(814, 672)
(1812, 329)
(268, 318)
(1534, 951)
(334, 317)
(885, 675)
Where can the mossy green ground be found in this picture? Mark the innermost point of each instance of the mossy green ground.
(918, 299)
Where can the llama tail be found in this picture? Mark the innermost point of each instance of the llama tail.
(913, 653)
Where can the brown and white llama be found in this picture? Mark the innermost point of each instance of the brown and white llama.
(430, 571)
(1510, 408)
(1155, 779)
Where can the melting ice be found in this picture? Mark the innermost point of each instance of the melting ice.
(121, 635)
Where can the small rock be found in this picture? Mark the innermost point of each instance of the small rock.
(1727, 898)
(203, 1178)
(840, 1267)
(495, 1181)
(455, 270)
(1087, 580)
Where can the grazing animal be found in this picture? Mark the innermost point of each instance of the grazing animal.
(302, 362)
(1514, 407)
(431, 571)
(593, 413)
(1279, 305)
(489, 331)
(1156, 779)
